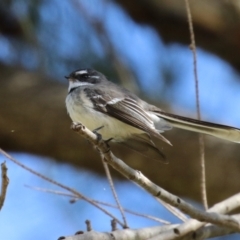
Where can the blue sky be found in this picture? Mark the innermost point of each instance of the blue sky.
(41, 210)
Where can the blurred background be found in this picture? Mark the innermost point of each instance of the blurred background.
(142, 45)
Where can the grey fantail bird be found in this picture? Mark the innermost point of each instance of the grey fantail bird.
(96, 102)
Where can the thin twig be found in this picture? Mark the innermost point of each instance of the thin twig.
(151, 187)
(100, 202)
(5, 182)
(59, 185)
(173, 210)
(109, 177)
(201, 138)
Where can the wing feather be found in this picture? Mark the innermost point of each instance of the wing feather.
(124, 109)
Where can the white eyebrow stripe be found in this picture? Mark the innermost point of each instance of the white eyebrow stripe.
(81, 72)
(94, 76)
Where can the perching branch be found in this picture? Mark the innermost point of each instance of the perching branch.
(156, 191)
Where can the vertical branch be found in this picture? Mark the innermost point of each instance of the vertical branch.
(109, 177)
(201, 139)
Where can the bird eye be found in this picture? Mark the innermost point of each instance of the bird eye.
(84, 75)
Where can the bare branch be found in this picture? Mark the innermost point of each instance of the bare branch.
(210, 231)
(192, 225)
(109, 177)
(60, 185)
(156, 219)
(152, 188)
(201, 138)
(154, 233)
(141, 234)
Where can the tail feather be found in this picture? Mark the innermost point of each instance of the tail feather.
(217, 130)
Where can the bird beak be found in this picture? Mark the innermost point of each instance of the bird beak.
(67, 77)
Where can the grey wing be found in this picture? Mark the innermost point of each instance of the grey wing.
(126, 110)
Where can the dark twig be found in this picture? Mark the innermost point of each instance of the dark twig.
(113, 225)
(89, 226)
(5, 182)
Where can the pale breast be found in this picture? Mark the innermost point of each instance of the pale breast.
(81, 110)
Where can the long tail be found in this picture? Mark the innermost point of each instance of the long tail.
(217, 130)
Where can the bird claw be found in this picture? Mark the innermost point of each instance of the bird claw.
(107, 141)
(95, 131)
